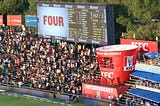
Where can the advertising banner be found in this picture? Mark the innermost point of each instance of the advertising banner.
(116, 62)
(1, 20)
(14, 20)
(31, 21)
(143, 45)
(102, 92)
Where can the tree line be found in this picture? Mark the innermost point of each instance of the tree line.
(139, 19)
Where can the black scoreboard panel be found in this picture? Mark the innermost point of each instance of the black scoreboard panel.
(86, 22)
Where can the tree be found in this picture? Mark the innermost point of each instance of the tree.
(138, 20)
(13, 6)
(32, 7)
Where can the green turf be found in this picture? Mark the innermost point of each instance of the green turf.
(8, 100)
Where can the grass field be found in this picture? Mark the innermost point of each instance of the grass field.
(10, 100)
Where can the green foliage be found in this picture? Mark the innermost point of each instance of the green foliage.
(13, 6)
(138, 19)
(32, 7)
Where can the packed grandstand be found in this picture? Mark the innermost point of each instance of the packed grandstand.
(46, 64)
(61, 66)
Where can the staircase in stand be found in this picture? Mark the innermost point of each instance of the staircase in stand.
(132, 82)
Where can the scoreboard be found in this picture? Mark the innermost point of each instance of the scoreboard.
(74, 22)
(87, 23)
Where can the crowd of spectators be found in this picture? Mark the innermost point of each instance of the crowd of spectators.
(46, 63)
(137, 101)
(150, 84)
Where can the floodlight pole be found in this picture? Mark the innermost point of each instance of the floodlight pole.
(157, 39)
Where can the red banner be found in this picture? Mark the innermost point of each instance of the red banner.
(1, 20)
(14, 20)
(102, 92)
(143, 45)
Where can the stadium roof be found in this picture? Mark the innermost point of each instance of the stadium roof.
(145, 94)
(146, 75)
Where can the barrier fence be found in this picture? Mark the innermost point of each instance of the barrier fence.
(56, 96)
(68, 98)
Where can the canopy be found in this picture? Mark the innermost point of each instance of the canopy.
(146, 75)
(152, 55)
(145, 94)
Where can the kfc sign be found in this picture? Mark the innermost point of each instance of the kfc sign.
(129, 63)
(107, 74)
(143, 45)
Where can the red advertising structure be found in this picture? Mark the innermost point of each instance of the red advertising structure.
(1, 20)
(143, 45)
(116, 62)
(103, 92)
(14, 20)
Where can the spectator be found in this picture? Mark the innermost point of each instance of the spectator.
(48, 64)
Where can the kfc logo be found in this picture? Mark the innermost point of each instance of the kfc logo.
(128, 63)
(142, 47)
(107, 74)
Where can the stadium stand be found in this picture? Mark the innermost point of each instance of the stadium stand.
(150, 95)
(144, 89)
(145, 94)
(45, 63)
(62, 67)
(146, 75)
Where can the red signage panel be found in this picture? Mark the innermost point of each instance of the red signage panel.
(143, 45)
(1, 20)
(14, 20)
(102, 92)
(116, 62)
